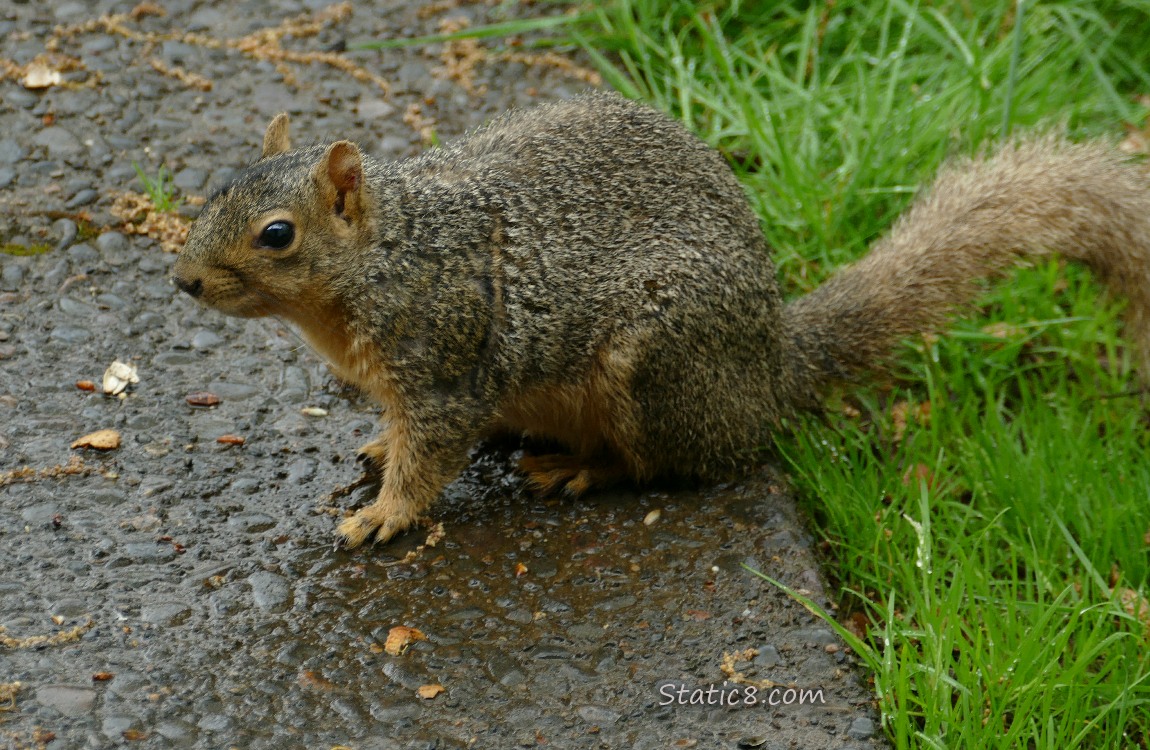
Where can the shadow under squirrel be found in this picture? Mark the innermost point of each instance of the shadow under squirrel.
(589, 271)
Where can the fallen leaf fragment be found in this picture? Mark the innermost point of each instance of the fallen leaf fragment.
(400, 637)
(311, 679)
(230, 440)
(202, 398)
(8, 692)
(520, 570)
(313, 411)
(133, 734)
(118, 377)
(1003, 330)
(1136, 605)
(86, 385)
(100, 440)
(102, 676)
(40, 76)
(918, 473)
(147, 9)
(427, 692)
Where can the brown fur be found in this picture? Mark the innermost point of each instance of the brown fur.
(589, 272)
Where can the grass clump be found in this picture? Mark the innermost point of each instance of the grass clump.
(159, 188)
(988, 512)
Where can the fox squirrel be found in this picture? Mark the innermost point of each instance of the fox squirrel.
(589, 272)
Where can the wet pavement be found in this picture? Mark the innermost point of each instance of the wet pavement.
(189, 586)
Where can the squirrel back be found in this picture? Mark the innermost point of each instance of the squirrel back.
(590, 272)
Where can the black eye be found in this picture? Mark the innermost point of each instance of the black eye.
(277, 235)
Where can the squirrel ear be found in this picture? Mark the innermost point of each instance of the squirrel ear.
(276, 140)
(340, 172)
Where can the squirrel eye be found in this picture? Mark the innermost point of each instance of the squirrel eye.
(277, 235)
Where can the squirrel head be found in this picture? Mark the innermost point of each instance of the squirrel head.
(275, 241)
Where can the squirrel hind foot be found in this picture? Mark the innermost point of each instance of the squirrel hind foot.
(573, 476)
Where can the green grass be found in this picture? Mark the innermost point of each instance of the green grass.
(159, 189)
(994, 588)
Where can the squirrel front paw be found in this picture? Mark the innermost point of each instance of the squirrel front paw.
(354, 531)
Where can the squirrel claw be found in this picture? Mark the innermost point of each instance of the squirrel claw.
(354, 531)
(371, 457)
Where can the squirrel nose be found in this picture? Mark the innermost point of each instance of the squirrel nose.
(193, 288)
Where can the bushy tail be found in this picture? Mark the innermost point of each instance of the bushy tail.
(1029, 199)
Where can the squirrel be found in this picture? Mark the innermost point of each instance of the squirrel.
(589, 272)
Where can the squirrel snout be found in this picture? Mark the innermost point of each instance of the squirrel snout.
(193, 288)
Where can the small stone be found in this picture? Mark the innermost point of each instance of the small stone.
(233, 391)
(269, 590)
(205, 18)
(252, 523)
(70, 700)
(300, 471)
(165, 613)
(375, 109)
(83, 252)
(118, 727)
(246, 486)
(168, 359)
(153, 486)
(157, 290)
(176, 52)
(598, 715)
(11, 152)
(76, 308)
(143, 522)
(820, 636)
(7, 176)
(190, 179)
(20, 97)
(82, 198)
(149, 552)
(176, 731)
(154, 263)
(206, 340)
(861, 728)
(71, 334)
(66, 230)
(768, 657)
(67, 11)
(11, 277)
(59, 142)
(146, 321)
(98, 44)
(394, 146)
(112, 243)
